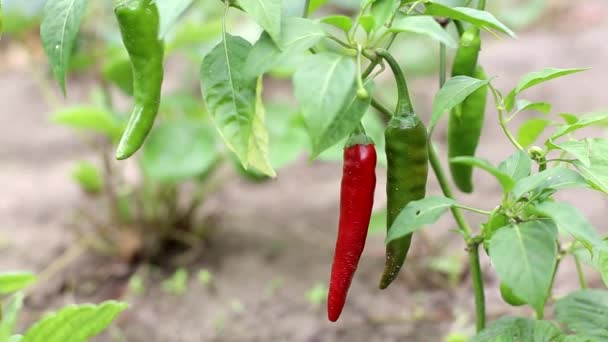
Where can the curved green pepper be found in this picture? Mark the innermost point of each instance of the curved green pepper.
(464, 131)
(407, 162)
(467, 53)
(139, 25)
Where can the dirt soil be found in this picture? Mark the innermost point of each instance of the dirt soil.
(275, 240)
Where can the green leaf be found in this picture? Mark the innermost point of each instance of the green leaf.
(570, 220)
(580, 149)
(93, 119)
(377, 223)
(322, 86)
(552, 179)
(593, 162)
(537, 77)
(119, 72)
(524, 256)
(230, 95)
(453, 92)
(9, 317)
(418, 214)
(178, 150)
(517, 166)
(16, 338)
(585, 312)
(194, 33)
(542, 107)
(581, 123)
(367, 22)
(75, 323)
(316, 4)
(15, 281)
(530, 130)
(476, 17)
(342, 124)
(425, 25)
(169, 11)
(58, 32)
(382, 10)
(267, 13)
(569, 118)
(258, 141)
(602, 266)
(505, 180)
(340, 21)
(510, 329)
(297, 35)
(88, 177)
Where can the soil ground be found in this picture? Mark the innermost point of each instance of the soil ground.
(275, 240)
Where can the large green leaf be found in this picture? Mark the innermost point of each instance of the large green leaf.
(453, 92)
(423, 24)
(476, 17)
(322, 86)
(581, 123)
(267, 13)
(417, 214)
(524, 256)
(178, 150)
(230, 95)
(297, 35)
(534, 78)
(556, 178)
(93, 119)
(15, 281)
(570, 220)
(343, 123)
(585, 312)
(58, 32)
(75, 323)
(517, 166)
(510, 329)
(169, 11)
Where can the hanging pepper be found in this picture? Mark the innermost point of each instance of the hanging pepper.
(466, 119)
(464, 131)
(407, 162)
(356, 202)
(139, 25)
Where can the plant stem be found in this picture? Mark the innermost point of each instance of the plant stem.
(377, 60)
(501, 119)
(475, 210)
(579, 270)
(463, 225)
(473, 246)
(481, 5)
(477, 279)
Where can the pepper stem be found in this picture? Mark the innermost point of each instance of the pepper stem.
(358, 137)
(404, 103)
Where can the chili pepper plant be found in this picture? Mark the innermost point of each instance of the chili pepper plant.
(335, 62)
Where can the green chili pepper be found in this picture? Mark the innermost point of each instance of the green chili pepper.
(467, 54)
(464, 131)
(407, 162)
(139, 26)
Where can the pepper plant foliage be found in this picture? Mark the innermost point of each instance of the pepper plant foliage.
(333, 63)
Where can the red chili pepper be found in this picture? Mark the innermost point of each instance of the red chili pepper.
(356, 202)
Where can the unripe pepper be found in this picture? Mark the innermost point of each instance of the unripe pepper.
(466, 119)
(139, 26)
(356, 202)
(407, 172)
(464, 131)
